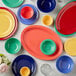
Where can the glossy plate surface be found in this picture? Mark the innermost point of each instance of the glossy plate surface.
(66, 20)
(23, 61)
(32, 37)
(70, 46)
(8, 21)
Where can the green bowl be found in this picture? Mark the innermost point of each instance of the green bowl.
(12, 45)
(48, 47)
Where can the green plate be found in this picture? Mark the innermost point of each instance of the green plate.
(12, 45)
(48, 47)
(13, 3)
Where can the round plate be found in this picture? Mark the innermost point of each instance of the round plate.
(70, 46)
(13, 28)
(23, 61)
(32, 37)
(28, 21)
(66, 20)
(13, 3)
(7, 23)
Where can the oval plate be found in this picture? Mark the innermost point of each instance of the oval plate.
(66, 20)
(32, 37)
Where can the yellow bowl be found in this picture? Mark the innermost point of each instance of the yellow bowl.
(70, 46)
(47, 20)
(7, 23)
(25, 71)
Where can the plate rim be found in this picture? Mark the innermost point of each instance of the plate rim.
(55, 22)
(16, 5)
(37, 12)
(16, 23)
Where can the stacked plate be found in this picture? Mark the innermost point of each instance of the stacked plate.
(25, 20)
(8, 23)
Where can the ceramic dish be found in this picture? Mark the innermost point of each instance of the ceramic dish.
(70, 46)
(65, 24)
(47, 20)
(13, 3)
(65, 64)
(24, 71)
(46, 6)
(12, 27)
(7, 23)
(27, 12)
(28, 21)
(23, 61)
(12, 45)
(48, 47)
(32, 36)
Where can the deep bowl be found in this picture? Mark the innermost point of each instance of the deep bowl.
(46, 6)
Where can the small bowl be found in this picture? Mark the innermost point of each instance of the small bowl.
(48, 47)
(65, 64)
(46, 6)
(47, 20)
(12, 45)
(24, 71)
(27, 12)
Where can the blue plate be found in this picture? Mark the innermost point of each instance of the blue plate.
(21, 61)
(65, 64)
(28, 21)
(46, 5)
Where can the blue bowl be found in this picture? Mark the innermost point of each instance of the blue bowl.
(65, 64)
(46, 6)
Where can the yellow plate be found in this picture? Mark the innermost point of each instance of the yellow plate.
(47, 20)
(70, 46)
(7, 23)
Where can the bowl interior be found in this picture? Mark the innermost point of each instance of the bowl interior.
(46, 5)
(25, 71)
(47, 20)
(12, 45)
(48, 47)
(65, 64)
(27, 12)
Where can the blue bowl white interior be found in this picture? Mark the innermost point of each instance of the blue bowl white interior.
(65, 64)
(46, 5)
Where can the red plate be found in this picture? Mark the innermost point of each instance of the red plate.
(66, 19)
(32, 36)
(16, 23)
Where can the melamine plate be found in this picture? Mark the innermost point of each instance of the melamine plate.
(66, 20)
(8, 22)
(23, 61)
(32, 37)
(70, 46)
(28, 21)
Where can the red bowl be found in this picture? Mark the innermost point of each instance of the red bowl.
(27, 12)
